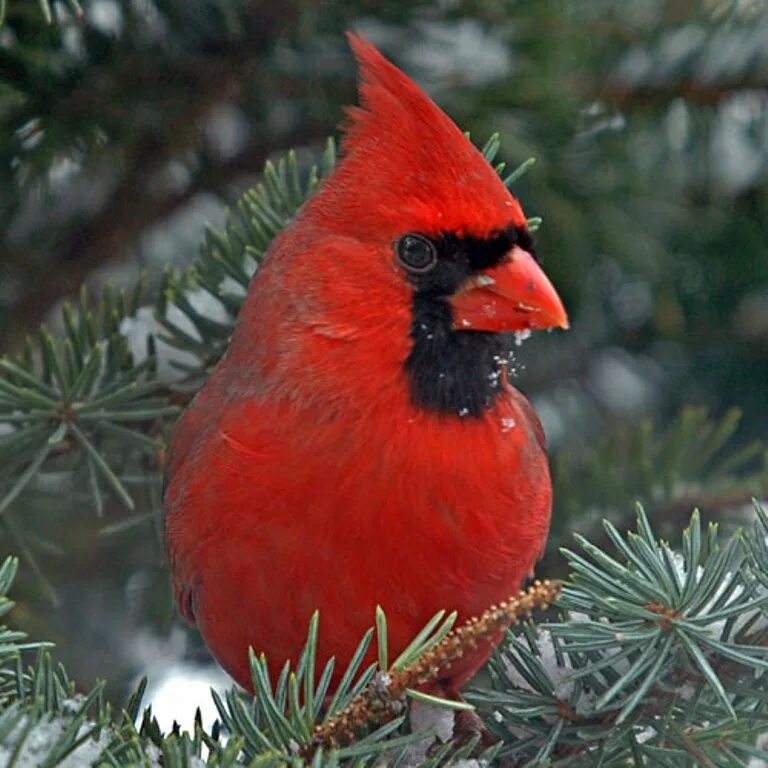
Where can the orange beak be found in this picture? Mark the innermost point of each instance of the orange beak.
(515, 295)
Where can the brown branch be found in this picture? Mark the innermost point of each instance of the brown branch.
(382, 699)
(683, 504)
(628, 97)
(695, 750)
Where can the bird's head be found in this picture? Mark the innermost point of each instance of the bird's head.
(426, 231)
(412, 182)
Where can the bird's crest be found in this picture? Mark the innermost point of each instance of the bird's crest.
(392, 104)
(412, 159)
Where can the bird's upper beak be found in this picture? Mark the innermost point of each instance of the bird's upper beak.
(515, 295)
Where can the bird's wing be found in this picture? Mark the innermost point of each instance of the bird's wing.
(196, 472)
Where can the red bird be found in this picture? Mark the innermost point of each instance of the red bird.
(359, 443)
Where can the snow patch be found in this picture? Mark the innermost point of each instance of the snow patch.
(42, 741)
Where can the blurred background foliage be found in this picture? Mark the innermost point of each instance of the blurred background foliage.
(127, 125)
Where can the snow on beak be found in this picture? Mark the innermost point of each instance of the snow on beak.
(515, 295)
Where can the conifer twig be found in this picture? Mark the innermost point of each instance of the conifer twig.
(382, 698)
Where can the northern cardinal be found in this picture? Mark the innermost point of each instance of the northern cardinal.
(359, 443)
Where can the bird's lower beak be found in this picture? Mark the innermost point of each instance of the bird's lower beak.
(515, 295)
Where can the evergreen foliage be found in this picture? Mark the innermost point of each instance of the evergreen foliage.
(655, 652)
(658, 657)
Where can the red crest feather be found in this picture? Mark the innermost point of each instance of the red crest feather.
(407, 165)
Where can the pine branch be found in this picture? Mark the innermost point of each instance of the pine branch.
(658, 656)
(383, 698)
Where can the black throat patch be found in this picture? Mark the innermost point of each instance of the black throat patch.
(453, 371)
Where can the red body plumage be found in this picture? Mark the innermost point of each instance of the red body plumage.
(304, 475)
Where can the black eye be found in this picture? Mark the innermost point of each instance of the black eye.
(416, 253)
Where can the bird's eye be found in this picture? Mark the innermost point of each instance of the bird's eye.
(416, 253)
